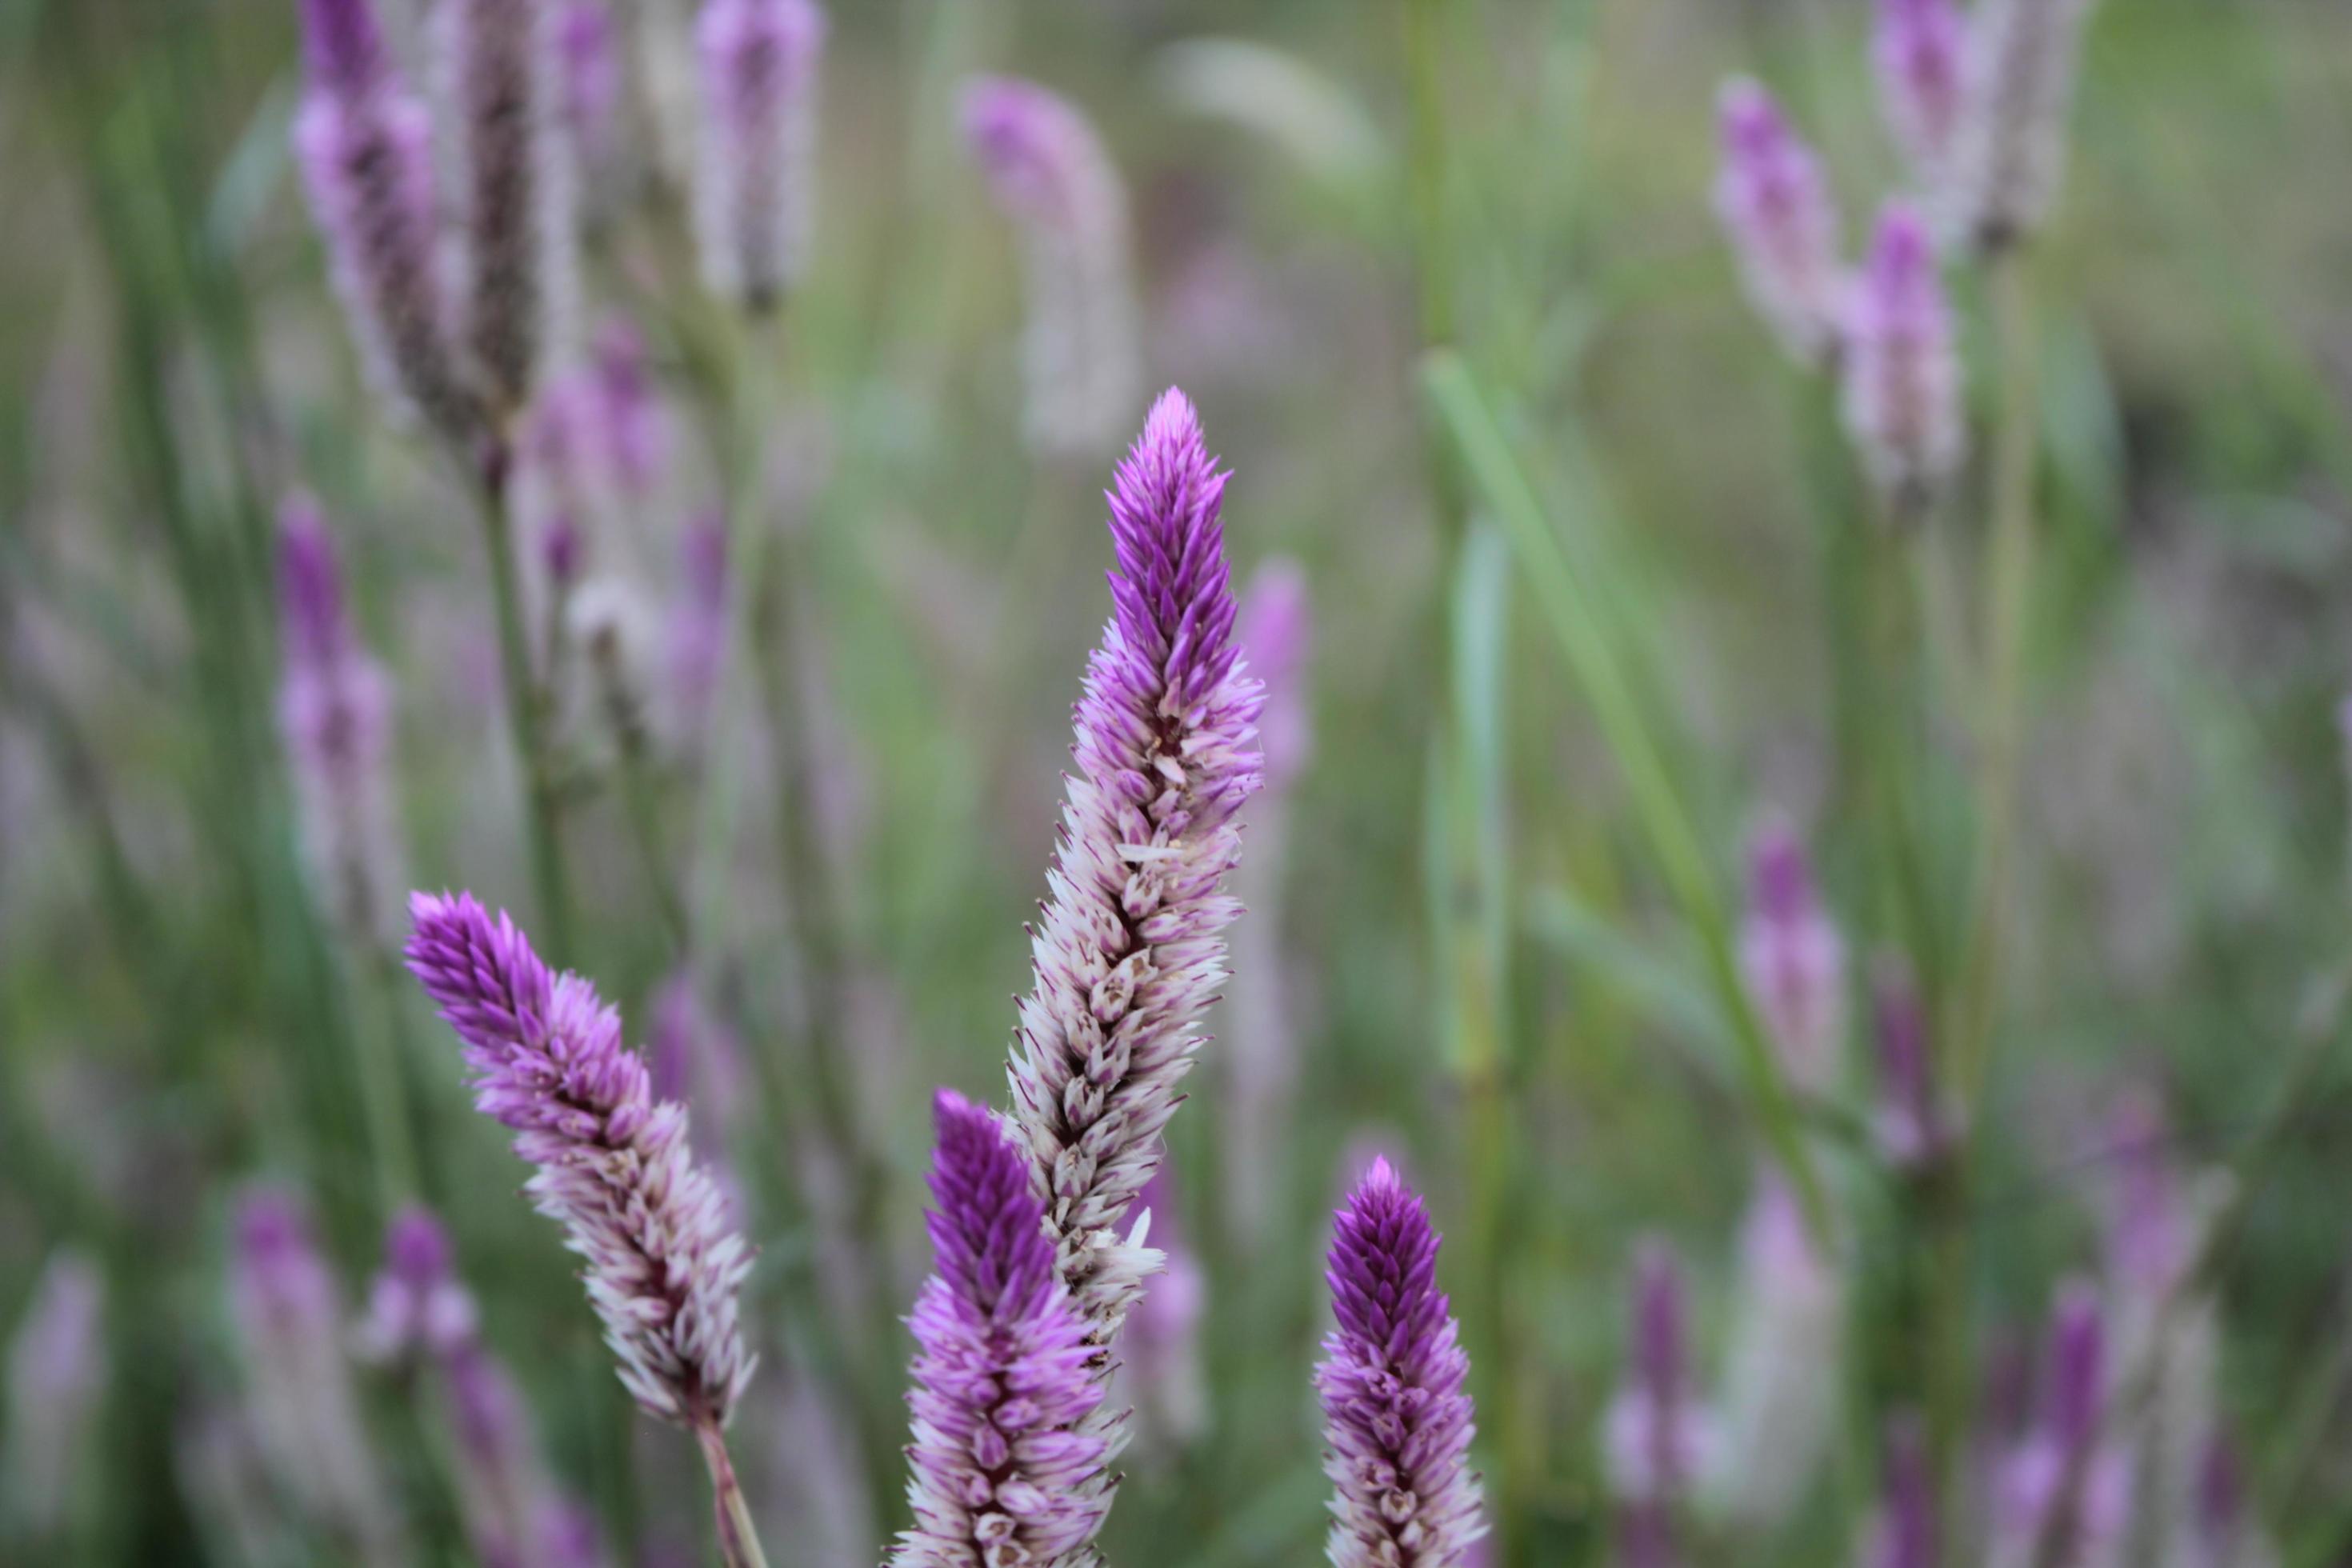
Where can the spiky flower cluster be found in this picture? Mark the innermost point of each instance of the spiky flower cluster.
(1920, 51)
(1793, 961)
(1052, 177)
(334, 707)
(365, 143)
(1395, 1413)
(1902, 368)
(1004, 1464)
(615, 1164)
(516, 192)
(1128, 951)
(1775, 202)
(755, 181)
(2010, 151)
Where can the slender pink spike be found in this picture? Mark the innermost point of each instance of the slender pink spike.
(1903, 404)
(1775, 203)
(2009, 153)
(57, 1378)
(755, 184)
(1921, 55)
(1794, 962)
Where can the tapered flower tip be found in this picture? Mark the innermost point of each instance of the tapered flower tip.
(342, 43)
(1902, 263)
(1659, 1315)
(1172, 589)
(271, 1228)
(2078, 1347)
(1016, 130)
(1383, 1273)
(491, 986)
(415, 1247)
(1751, 121)
(309, 585)
(1779, 879)
(987, 1227)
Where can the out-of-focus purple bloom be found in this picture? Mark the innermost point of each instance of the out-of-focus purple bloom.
(1905, 1533)
(1395, 1411)
(1902, 371)
(1775, 202)
(755, 182)
(1658, 1440)
(1778, 1400)
(2063, 1496)
(587, 47)
(57, 1379)
(628, 406)
(563, 551)
(1794, 962)
(416, 1306)
(1276, 633)
(697, 621)
(365, 144)
(334, 708)
(1915, 1130)
(1161, 1349)
(1004, 1467)
(2223, 1532)
(1128, 951)
(1052, 177)
(2151, 1232)
(304, 1408)
(517, 205)
(2010, 150)
(615, 1168)
(1921, 53)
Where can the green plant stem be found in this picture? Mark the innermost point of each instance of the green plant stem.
(739, 1538)
(376, 1028)
(641, 801)
(1593, 660)
(2007, 589)
(526, 705)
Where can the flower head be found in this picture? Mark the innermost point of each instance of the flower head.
(1004, 1468)
(1905, 1533)
(755, 182)
(1793, 961)
(1395, 1412)
(1052, 176)
(615, 1164)
(1915, 1128)
(2010, 151)
(416, 1305)
(1775, 204)
(1921, 52)
(1129, 954)
(363, 142)
(1902, 371)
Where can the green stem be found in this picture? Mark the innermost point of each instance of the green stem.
(2008, 588)
(1593, 660)
(526, 717)
(376, 1029)
(739, 1538)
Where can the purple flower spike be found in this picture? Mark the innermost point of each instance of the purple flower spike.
(1921, 52)
(56, 1375)
(365, 144)
(305, 1409)
(416, 1306)
(1052, 176)
(334, 708)
(616, 1167)
(517, 191)
(1128, 952)
(589, 57)
(755, 182)
(1793, 961)
(697, 621)
(1395, 1412)
(1914, 1128)
(1006, 1469)
(1905, 1535)
(1656, 1435)
(1775, 204)
(1902, 371)
(2010, 149)
(1278, 636)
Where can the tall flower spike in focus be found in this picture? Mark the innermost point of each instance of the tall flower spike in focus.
(616, 1169)
(2009, 154)
(364, 146)
(754, 185)
(1921, 53)
(334, 707)
(1793, 961)
(1053, 179)
(1775, 203)
(1902, 370)
(1004, 1465)
(1128, 951)
(516, 194)
(1395, 1412)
